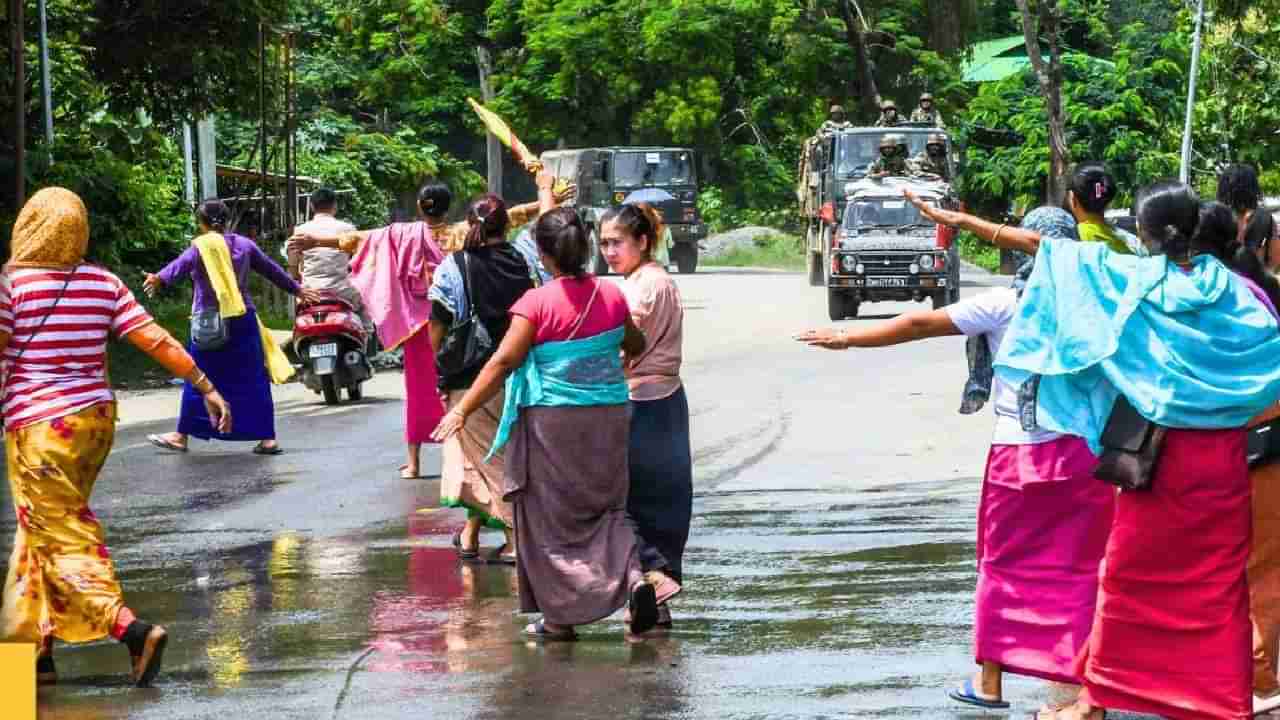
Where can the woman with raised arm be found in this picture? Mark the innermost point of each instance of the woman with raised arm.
(1043, 519)
(567, 420)
(473, 292)
(218, 263)
(56, 313)
(1173, 355)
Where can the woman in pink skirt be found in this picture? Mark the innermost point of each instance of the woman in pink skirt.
(1043, 519)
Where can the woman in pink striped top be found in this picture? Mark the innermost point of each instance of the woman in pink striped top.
(56, 313)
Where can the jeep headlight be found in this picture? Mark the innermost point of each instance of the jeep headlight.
(849, 263)
(926, 262)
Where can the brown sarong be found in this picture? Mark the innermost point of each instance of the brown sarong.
(466, 480)
(567, 479)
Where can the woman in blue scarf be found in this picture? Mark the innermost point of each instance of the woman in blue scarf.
(1190, 344)
(566, 420)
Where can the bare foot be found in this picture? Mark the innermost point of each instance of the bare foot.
(1075, 711)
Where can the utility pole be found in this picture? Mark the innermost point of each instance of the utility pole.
(45, 91)
(484, 63)
(16, 25)
(1184, 174)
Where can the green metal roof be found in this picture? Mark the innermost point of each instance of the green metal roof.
(998, 59)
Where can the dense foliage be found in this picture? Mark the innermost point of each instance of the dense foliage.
(381, 88)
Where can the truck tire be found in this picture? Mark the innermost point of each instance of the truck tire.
(941, 300)
(598, 265)
(686, 257)
(355, 393)
(840, 305)
(329, 388)
(953, 295)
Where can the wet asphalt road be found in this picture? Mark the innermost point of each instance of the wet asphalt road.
(830, 570)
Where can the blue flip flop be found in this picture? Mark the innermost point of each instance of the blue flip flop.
(967, 695)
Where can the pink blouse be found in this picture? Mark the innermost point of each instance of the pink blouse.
(657, 310)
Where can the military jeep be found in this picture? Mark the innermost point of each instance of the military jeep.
(606, 176)
(883, 249)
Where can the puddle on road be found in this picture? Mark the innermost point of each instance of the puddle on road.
(800, 604)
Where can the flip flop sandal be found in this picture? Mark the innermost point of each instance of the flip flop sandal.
(500, 557)
(457, 539)
(967, 695)
(165, 443)
(260, 450)
(538, 631)
(466, 555)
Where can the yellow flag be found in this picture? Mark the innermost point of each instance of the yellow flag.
(502, 131)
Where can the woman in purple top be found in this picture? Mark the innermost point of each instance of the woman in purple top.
(238, 366)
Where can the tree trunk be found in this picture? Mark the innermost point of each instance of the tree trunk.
(950, 22)
(18, 41)
(484, 64)
(870, 92)
(1049, 76)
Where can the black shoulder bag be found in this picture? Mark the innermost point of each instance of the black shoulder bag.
(1131, 446)
(468, 345)
(209, 329)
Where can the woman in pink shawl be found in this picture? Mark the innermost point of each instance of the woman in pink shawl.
(391, 267)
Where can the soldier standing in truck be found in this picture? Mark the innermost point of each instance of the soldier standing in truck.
(836, 122)
(889, 115)
(927, 112)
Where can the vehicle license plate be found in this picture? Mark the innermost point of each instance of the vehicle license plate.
(324, 350)
(886, 282)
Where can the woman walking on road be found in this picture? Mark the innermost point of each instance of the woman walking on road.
(392, 267)
(566, 415)
(1190, 345)
(218, 264)
(56, 313)
(1043, 519)
(475, 287)
(660, 501)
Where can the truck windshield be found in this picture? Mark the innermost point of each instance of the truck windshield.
(855, 152)
(668, 167)
(866, 214)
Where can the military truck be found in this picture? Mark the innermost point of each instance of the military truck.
(829, 165)
(883, 249)
(606, 176)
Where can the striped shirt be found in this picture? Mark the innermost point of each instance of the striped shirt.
(63, 368)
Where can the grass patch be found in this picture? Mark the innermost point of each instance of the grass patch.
(775, 251)
(979, 252)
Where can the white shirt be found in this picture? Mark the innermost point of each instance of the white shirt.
(327, 268)
(989, 314)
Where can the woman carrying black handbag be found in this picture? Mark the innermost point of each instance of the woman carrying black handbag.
(473, 292)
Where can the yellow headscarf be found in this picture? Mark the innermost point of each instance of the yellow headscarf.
(52, 231)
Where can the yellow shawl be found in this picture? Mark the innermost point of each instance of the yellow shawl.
(216, 257)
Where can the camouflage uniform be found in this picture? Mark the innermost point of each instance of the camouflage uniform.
(932, 117)
(886, 121)
(924, 163)
(896, 166)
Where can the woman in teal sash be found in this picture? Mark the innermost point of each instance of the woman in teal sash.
(565, 430)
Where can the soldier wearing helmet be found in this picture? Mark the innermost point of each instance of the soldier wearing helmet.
(927, 112)
(893, 160)
(888, 114)
(933, 161)
(836, 122)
